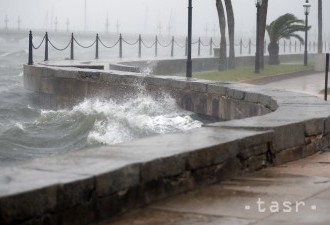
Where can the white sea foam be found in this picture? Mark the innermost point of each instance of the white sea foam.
(119, 121)
(19, 125)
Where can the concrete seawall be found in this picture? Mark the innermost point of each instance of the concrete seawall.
(64, 87)
(264, 127)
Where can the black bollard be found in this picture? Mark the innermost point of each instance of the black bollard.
(97, 47)
(290, 45)
(326, 77)
(199, 46)
(71, 49)
(325, 46)
(120, 46)
(156, 46)
(211, 45)
(46, 46)
(140, 46)
(172, 47)
(30, 61)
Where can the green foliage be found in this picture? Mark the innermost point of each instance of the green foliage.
(322, 91)
(286, 26)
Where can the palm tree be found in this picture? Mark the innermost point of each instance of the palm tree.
(285, 26)
(320, 21)
(223, 42)
(231, 32)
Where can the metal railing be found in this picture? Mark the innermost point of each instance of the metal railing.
(291, 47)
(98, 41)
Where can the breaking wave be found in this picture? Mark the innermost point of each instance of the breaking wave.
(93, 122)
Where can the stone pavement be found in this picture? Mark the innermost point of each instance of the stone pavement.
(291, 194)
(310, 84)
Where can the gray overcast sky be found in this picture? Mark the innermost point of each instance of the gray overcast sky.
(143, 16)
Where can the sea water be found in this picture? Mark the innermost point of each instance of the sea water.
(28, 132)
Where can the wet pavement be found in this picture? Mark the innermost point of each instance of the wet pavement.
(309, 84)
(294, 193)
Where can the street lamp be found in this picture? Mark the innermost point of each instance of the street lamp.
(189, 61)
(307, 7)
(257, 59)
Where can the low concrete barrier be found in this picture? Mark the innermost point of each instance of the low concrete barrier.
(63, 87)
(178, 65)
(278, 127)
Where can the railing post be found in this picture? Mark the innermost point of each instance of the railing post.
(314, 46)
(172, 47)
(120, 46)
(290, 46)
(265, 47)
(250, 46)
(295, 46)
(156, 46)
(284, 46)
(325, 46)
(140, 46)
(30, 60)
(97, 47)
(211, 45)
(46, 46)
(300, 47)
(309, 46)
(241, 47)
(326, 77)
(71, 51)
(199, 46)
(186, 49)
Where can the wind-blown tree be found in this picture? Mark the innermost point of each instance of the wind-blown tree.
(320, 22)
(285, 26)
(223, 43)
(231, 32)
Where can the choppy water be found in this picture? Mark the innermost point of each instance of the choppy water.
(29, 132)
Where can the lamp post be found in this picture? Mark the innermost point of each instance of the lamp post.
(189, 61)
(307, 7)
(257, 58)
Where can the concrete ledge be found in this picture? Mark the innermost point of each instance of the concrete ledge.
(268, 127)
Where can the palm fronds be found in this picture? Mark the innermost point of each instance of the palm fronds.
(286, 26)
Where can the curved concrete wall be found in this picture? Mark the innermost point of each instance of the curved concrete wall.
(64, 87)
(103, 182)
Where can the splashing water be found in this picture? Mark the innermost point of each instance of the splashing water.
(95, 122)
(139, 117)
(27, 132)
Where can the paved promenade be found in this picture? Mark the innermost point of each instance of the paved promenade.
(297, 193)
(310, 84)
(292, 194)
